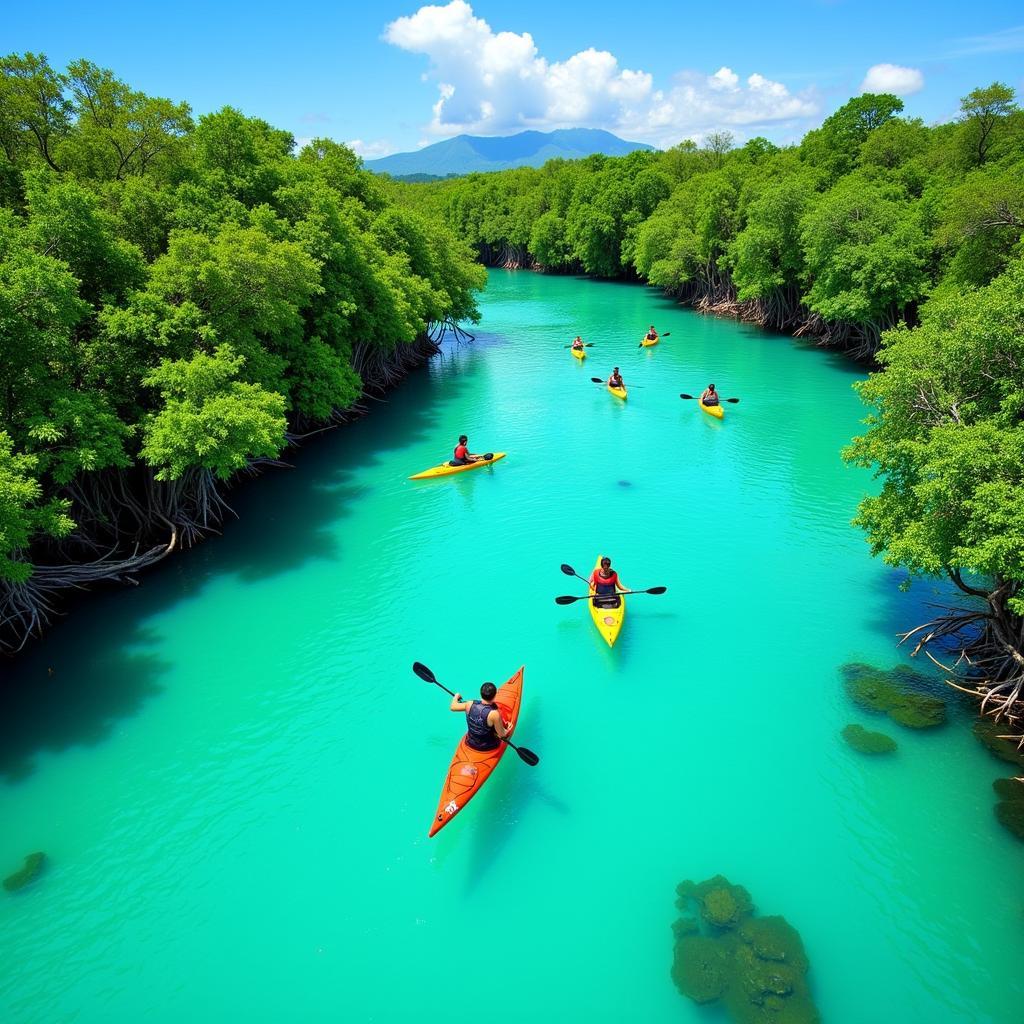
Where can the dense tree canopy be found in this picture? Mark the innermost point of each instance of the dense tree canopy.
(175, 296)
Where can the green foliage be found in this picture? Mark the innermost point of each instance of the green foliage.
(981, 112)
(209, 420)
(947, 437)
(25, 513)
(170, 289)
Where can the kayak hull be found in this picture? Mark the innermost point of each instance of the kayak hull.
(608, 621)
(713, 410)
(618, 392)
(470, 768)
(647, 344)
(446, 469)
(579, 353)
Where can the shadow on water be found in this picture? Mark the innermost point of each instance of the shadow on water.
(507, 800)
(88, 673)
(69, 693)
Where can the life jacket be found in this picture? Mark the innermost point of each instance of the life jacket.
(605, 585)
(461, 453)
(480, 735)
(711, 399)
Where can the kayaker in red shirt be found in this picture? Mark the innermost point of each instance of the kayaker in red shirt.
(577, 343)
(463, 455)
(615, 380)
(710, 396)
(605, 582)
(485, 728)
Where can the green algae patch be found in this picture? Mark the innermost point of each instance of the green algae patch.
(989, 733)
(1010, 808)
(867, 742)
(897, 693)
(29, 872)
(755, 967)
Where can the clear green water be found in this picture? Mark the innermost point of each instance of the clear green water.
(233, 770)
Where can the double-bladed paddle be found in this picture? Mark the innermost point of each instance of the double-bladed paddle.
(597, 380)
(586, 344)
(692, 397)
(568, 599)
(428, 677)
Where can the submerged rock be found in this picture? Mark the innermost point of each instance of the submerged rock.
(29, 872)
(896, 693)
(989, 732)
(756, 966)
(1010, 809)
(867, 742)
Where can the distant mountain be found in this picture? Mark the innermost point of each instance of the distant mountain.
(467, 153)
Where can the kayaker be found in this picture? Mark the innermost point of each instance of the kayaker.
(615, 380)
(710, 396)
(462, 453)
(485, 728)
(605, 582)
(577, 343)
(651, 335)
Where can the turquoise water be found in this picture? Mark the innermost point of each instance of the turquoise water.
(233, 770)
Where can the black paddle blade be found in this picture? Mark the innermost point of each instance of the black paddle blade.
(733, 400)
(597, 380)
(690, 397)
(488, 456)
(423, 672)
(568, 570)
(569, 599)
(527, 755)
(656, 590)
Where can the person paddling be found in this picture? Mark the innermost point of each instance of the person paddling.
(710, 396)
(615, 380)
(651, 335)
(485, 728)
(577, 343)
(605, 581)
(462, 454)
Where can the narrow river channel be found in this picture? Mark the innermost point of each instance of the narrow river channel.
(232, 769)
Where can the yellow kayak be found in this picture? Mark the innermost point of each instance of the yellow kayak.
(712, 410)
(446, 468)
(608, 620)
(579, 353)
(647, 344)
(618, 392)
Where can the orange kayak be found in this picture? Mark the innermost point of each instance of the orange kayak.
(470, 768)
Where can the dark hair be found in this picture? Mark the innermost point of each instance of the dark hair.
(614, 368)
(463, 439)
(711, 387)
(488, 690)
(606, 561)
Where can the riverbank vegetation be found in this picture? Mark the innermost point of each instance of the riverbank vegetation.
(894, 241)
(179, 299)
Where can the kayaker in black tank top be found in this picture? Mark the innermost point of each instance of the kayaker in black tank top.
(485, 728)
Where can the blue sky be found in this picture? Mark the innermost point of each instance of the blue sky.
(392, 76)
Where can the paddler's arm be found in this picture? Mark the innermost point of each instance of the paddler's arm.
(458, 704)
(498, 725)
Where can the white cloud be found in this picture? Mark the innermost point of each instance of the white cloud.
(370, 150)
(494, 82)
(893, 78)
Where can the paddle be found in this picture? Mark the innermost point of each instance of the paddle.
(428, 677)
(597, 380)
(570, 571)
(586, 344)
(660, 336)
(692, 397)
(568, 599)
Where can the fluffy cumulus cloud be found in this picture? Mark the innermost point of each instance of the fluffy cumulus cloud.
(893, 78)
(494, 82)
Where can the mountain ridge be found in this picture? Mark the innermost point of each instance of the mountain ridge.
(465, 154)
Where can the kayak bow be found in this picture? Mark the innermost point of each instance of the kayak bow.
(618, 392)
(713, 410)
